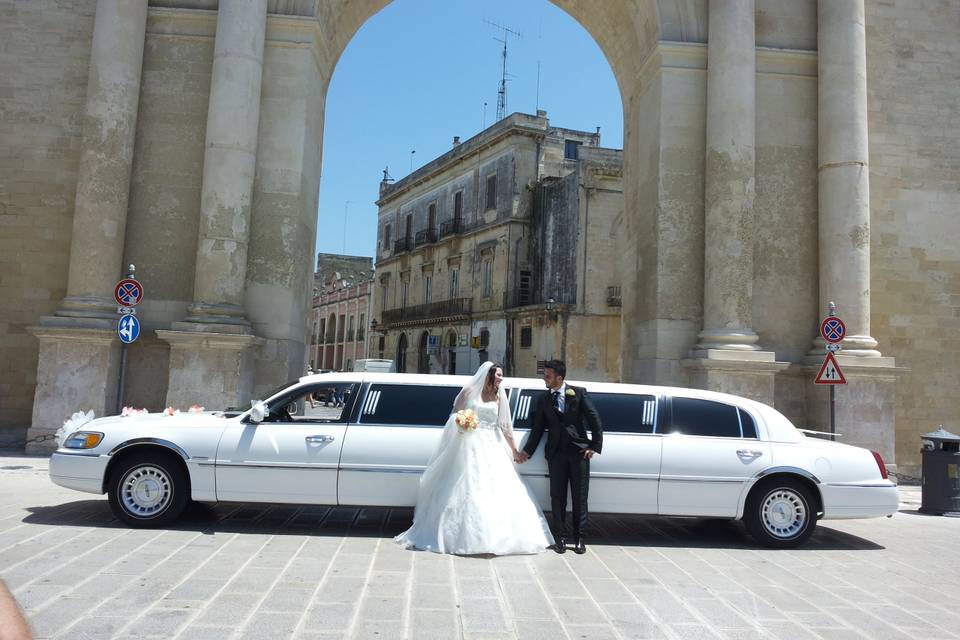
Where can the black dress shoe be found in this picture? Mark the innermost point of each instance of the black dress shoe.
(579, 547)
(560, 546)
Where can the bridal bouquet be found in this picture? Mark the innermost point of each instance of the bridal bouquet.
(466, 420)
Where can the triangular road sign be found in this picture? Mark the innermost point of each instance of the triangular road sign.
(830, 372)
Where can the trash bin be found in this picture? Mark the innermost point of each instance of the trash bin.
(940, 492)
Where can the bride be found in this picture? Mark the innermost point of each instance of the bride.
(471, 499)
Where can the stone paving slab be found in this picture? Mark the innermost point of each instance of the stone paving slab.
(272, 572)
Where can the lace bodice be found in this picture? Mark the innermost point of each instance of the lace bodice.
(487, 412)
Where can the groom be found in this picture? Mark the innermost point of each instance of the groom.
(566, 412)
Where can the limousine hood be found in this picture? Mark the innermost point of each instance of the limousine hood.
(148, 423)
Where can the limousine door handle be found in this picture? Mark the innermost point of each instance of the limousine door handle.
(319, 439)
(749, 453)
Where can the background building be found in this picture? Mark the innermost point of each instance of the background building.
(341, 311)
(498, 250)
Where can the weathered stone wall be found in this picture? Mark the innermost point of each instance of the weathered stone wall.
(913, 67)
(44, 55)
(556, 234)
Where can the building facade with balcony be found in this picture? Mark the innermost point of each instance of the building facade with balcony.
(504, 249)
(340, 313)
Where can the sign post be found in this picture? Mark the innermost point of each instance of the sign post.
(832, 330)
(128, 293)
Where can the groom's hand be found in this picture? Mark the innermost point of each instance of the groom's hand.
(522, 456)
(588, 453)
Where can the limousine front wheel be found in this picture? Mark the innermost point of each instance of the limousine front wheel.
(148, 490)
(780, 513)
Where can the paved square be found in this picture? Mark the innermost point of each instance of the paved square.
(242, 571)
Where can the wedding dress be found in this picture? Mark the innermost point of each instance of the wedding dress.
(471, 499)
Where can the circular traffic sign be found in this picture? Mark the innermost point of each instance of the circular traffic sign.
(128, 292)
(128, 329)
(832, 329)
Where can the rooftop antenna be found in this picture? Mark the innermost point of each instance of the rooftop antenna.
(502, 93)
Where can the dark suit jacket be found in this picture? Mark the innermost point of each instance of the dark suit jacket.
(567, 428)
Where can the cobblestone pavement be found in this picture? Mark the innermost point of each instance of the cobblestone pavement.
(240, 571)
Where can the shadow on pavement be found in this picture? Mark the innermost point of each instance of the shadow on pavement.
(604, 529)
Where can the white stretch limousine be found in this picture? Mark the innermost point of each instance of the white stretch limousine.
(667, 451)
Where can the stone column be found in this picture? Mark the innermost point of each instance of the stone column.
(729, 178)
(229, 164)
(79, 349)
(843, 172)
(216, 338)
(106, 159)
(727, 357)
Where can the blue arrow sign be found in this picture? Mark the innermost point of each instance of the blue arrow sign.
(128, 329)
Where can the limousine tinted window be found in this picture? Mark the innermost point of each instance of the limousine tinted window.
(523, 414)
(625, 412)
(748, 425)
(408, 404)
(696, 417)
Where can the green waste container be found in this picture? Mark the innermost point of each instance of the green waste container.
(940, 487)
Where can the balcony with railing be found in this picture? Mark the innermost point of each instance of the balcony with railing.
(403, 244)
(350, 335)
(425, 236)
(451, 227)
(452, 308)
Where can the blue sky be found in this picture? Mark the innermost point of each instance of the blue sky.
(418, 73)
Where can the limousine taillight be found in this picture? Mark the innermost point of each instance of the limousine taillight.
(883, 467)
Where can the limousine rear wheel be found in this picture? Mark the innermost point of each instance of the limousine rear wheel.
(780, 513)
(148, 489)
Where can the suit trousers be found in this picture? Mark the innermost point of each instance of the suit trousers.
(569, 469)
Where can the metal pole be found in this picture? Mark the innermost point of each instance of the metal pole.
(833, 412)
(123, 367)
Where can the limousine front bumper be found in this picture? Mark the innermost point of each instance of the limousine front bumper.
(77, 470)
(842, 500)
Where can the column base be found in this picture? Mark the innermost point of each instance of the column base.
(86, 308)
(212, 369)
(220, 315)
(728, 340)
(865, 406)
(858, 346)
(744, 373)
(77, 370)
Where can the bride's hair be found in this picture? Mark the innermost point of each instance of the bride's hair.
(491, 374)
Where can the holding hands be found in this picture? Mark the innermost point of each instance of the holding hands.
(520, 457)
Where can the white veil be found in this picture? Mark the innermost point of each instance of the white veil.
(471, 392)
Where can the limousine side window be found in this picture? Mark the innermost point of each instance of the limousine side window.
(696, 417)
(747, 424)
(408, 404)
(523, 414)
(625, 412)
(327, 402)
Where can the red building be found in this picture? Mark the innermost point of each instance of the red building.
(340, 312)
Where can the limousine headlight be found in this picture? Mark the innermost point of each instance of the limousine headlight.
(83, 440)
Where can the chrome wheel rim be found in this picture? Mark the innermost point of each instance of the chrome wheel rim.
(146, 491)
(784, 513)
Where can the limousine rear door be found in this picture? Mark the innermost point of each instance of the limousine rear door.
(623, 478)
(387, 448)
(291, 457)
(710, 452)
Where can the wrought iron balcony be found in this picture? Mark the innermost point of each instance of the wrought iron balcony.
(426, 236)
(403, 244)
(451, 227)
(443, 309)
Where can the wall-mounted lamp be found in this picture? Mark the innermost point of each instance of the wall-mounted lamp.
(550, 302)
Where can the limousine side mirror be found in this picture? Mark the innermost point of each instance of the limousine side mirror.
(258, 411)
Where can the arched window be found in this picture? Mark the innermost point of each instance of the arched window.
(402, 353)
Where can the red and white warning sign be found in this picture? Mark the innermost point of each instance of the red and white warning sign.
(830, 372)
